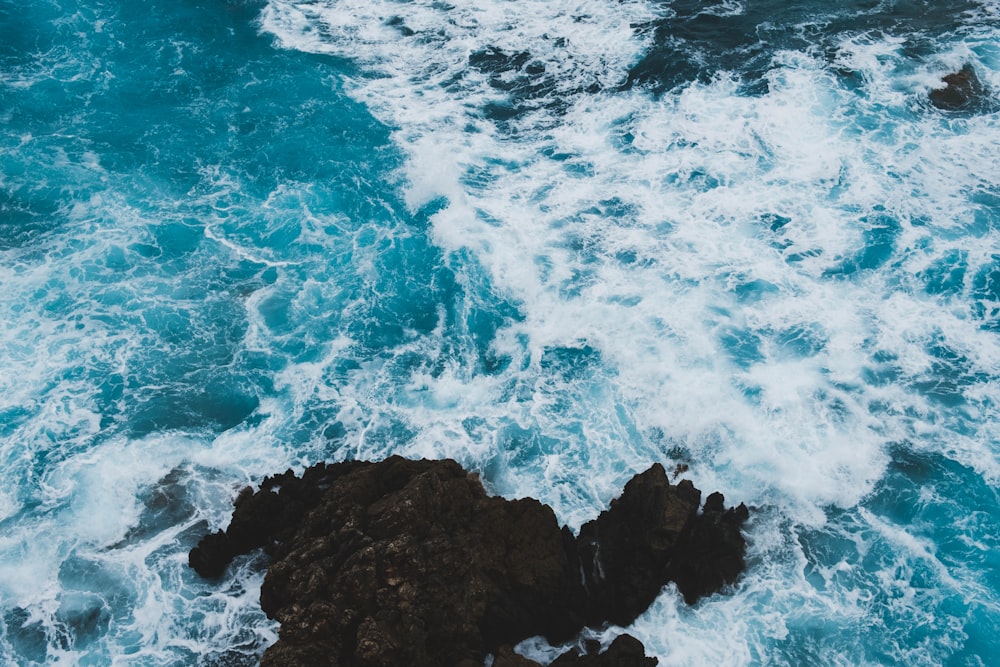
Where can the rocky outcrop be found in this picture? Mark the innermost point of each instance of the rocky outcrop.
(406, 562)
(652, 535)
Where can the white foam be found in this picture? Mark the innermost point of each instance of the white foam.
(92, 519)
(662, 233)
(79, 488)
(675, 264)
(793, 152)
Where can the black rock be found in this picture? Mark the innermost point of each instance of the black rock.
(963, 91)
(406, 562)
(625, 551)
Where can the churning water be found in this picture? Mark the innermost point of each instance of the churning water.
(556, 241)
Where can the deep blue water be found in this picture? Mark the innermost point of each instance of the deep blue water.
(554, 241)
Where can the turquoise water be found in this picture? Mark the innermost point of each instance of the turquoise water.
(554, 241)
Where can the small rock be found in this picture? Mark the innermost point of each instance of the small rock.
(963, 91)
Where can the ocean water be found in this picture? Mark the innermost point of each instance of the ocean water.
(556, 241)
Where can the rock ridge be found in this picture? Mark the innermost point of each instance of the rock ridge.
(403, 562)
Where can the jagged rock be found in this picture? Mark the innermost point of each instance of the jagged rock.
(963, 91)
(410, 563)
(624, 552)
(652, 535)
(712, 552)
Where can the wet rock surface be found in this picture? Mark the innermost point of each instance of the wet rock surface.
(405, 562)
(961, 91)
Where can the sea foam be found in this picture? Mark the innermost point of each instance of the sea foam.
(537, 258)
(746, 283)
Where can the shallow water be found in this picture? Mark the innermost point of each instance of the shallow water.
(554, 241)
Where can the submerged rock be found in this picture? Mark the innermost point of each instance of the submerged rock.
(963, 91)
(405, 562)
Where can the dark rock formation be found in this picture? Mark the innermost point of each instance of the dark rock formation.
(652, 535)
(963, 91)
(410, 563)
(712, 553)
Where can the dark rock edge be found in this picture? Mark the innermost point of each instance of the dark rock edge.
(403, 562)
